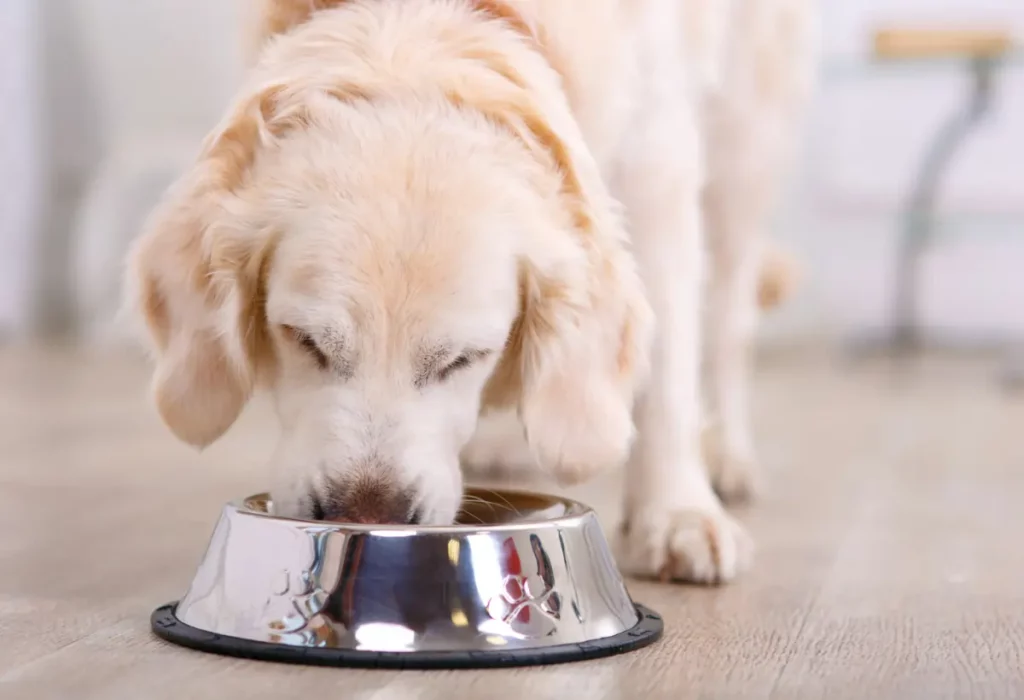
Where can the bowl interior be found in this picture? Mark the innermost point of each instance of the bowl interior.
(481, 507)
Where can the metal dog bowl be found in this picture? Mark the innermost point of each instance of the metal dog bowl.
(531, 581)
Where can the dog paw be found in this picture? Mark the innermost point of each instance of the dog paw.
(695, 545)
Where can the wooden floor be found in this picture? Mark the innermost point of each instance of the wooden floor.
(890, 560)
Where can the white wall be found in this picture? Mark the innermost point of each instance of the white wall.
(870, 128)
(20, 168)
(118, 72)
(867, 131)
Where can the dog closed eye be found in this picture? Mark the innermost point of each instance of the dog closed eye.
(435, 371)
(308, 344)
(460, 362)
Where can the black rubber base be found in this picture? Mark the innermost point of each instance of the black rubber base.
(167, 626)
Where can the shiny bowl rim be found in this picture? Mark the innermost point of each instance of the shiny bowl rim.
(577, 512)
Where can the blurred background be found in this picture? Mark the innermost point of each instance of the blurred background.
(106, 100)
(888, 534)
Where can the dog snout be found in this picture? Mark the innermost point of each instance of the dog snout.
(365, 501)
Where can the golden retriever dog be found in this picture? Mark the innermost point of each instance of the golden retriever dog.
(416, 212)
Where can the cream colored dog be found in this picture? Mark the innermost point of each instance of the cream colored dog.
(417, 210)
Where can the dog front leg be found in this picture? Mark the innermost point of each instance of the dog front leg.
(675, 527)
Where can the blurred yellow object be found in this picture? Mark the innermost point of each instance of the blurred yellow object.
(904, 43)
(780, 273)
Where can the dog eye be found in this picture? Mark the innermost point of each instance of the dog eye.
(306, 342)
(459, 363)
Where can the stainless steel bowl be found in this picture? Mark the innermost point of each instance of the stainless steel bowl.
(527, 578)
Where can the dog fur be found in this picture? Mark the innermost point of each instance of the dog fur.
(416, 212)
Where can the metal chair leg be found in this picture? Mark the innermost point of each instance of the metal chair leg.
(919, 217)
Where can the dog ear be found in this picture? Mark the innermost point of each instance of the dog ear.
(578, 352)
(195, 278)
(582, 343)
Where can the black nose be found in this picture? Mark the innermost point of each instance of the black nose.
(364, 501)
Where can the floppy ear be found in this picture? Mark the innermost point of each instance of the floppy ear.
(582, 344)
(578, 352)
(194, 277)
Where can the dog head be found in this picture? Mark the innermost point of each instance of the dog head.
(386, 267)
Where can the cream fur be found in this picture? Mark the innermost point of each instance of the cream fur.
(417, 210)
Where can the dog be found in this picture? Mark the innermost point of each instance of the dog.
(418, 212)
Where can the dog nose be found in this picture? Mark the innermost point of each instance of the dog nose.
(365, 502)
